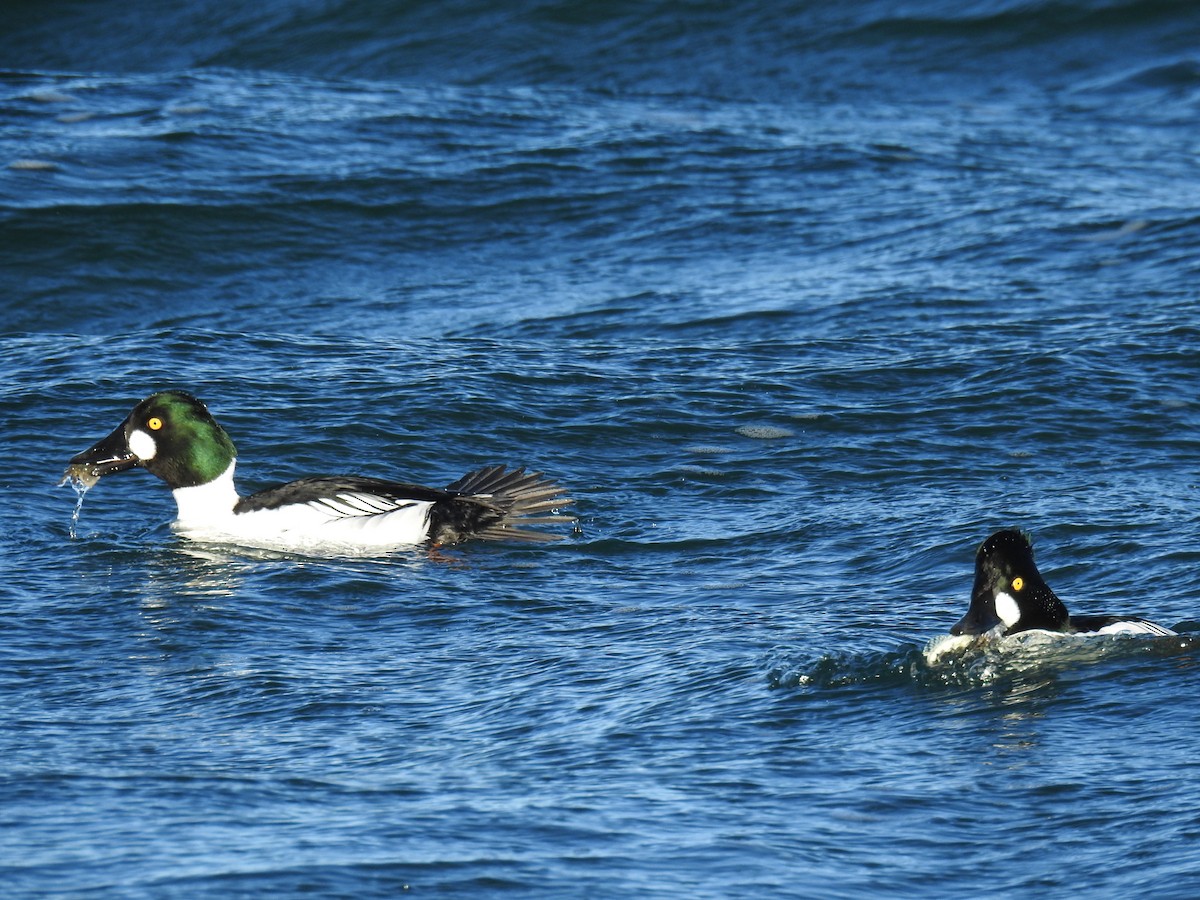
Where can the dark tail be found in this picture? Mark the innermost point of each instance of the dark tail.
(505, 503)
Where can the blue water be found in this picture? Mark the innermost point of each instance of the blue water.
(800, 301)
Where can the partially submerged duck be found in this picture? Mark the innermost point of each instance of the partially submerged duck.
(1010, 596)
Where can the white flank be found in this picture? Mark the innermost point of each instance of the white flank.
(1007, 609)
(343, 523)
(1136, 628)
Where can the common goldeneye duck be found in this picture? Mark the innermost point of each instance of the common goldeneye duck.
(1010, 596)
(172, 435)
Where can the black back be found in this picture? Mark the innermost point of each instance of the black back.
(325, 487)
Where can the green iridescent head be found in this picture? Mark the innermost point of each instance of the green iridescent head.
(170, 434)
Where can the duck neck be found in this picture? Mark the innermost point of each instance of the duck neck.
(205, 502)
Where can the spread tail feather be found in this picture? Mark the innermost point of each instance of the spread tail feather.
(496, 503)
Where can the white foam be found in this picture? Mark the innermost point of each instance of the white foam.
(764, 432)
(945, 645)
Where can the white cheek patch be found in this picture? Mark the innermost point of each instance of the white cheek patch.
(142, 445)
(1007, 609)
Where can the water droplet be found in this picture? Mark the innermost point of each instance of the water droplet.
(81, 480)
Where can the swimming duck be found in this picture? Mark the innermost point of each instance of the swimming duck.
(172, 435)
(1010, 596)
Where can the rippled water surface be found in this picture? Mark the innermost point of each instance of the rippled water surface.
(799, 301)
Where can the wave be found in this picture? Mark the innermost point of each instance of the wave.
(747, 50)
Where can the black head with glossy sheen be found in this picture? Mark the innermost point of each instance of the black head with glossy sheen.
(170, 434)
(1004, 565)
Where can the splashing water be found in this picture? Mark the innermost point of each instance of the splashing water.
(81, 479)
(970, 661)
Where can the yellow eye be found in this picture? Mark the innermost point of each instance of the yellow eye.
(1018, 583)
(154, 423)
